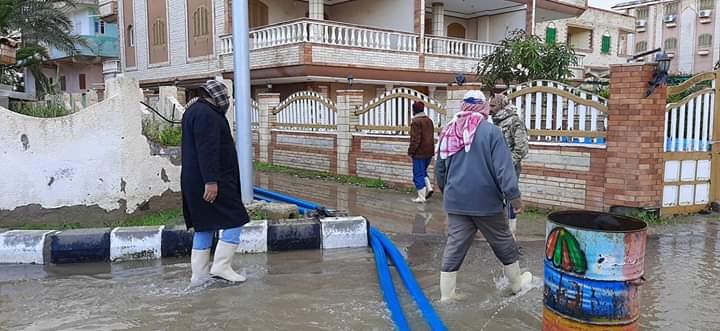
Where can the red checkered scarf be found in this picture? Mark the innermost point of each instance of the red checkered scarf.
(460, 132)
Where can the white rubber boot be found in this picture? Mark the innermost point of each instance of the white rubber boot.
(518, 281)
(428, 186)
(222, 263)
(448, 281)
(422, 193)
(513, 227)
(200, 265)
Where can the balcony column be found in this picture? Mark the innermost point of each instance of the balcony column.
(438, 19)
(317, 9)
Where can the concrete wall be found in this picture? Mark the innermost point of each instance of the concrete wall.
(93, 75)
(393, 15)
(500, 25)
(96, 158)
(285, 10)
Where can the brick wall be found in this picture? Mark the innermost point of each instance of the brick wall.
(364, 57)
(304, 150)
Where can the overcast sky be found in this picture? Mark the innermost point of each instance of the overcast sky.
(604, 3)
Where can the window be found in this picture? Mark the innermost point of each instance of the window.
(670, 44)
(579, 38)
(130, 36)
(705, 40)
(642, 13)
(605, 43)
(62, 84)
(201, 22)
(83, 84)
(99, 26)
(550, 34)
(671, 8)
(706, 4)
(159, 36)
(640, 46)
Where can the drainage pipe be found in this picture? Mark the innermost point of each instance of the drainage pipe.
(386, 285)
(285, 198)
(412, 286)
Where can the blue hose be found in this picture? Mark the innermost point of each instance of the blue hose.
(426, 309)
(386, 284)
(262, 197)
(285, 198)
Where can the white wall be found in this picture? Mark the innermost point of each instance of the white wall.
(93, 74)
(394, 15)
(82, 22)
(95, 157)
(501, 25)
(285, 10)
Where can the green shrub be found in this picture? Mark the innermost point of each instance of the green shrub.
(41, 110)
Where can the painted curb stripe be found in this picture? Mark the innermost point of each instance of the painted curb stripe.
(136, 243)
(254, 238)
(24, 246)
(344, 232)
(76, 246)
(294, 235)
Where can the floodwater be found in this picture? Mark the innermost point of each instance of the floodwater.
(338, 289)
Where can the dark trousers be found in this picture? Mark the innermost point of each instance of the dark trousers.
(461, 231)
(420, 167)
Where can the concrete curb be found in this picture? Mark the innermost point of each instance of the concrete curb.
(154, 242)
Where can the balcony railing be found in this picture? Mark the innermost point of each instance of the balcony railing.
(348, 35)
(102, 46)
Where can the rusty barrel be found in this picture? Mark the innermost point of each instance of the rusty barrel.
(594, 265)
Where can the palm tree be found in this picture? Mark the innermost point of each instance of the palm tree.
(38, 24)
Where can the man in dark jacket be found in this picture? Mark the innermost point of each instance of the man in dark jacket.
(421, 150)
(210, 182)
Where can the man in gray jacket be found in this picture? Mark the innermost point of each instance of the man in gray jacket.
(475, 172)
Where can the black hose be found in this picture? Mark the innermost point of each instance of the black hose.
(161, 115)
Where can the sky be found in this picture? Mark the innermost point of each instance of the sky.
(604, 3)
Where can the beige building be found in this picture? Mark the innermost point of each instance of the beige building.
(599, 36)
(317, 44)
(688, 30)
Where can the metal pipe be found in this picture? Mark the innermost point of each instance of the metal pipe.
(241, 60)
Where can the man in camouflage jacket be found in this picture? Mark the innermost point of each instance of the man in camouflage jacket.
(506, 118)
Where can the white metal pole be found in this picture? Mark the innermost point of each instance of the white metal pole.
(241, 58)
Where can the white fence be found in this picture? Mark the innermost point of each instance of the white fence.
(555, 112)
(457, 47)
(391, 113)
(306, 110)
(688, 123)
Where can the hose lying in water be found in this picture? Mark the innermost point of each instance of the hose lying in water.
(380, 245)
(259, 194)
(412, 286)
(304, 207)
(386, 285)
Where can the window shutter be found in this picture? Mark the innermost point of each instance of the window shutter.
(605, 47)
(550, 34)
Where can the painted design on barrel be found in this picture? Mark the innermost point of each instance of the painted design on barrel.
(564, 251)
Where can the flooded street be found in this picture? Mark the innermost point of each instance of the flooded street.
(338, 289)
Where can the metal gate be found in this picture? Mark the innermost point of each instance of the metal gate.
(691, 158)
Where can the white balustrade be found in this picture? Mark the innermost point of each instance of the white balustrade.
(457, 47)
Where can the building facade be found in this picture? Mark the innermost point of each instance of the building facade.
(602, 37)
(83, 71)
(688, 30)
(322, 45)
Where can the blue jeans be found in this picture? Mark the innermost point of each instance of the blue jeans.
(203, 240)
(420, 167)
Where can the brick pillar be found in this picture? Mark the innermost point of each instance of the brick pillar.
(634, 168)
(267, 102)
(455, 95)
(347, 102)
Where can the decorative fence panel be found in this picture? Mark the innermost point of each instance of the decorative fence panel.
(555, 112)
(306, 110)
(689, 126)
(254, 114)
(391, 113)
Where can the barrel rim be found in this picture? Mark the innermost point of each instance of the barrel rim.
(635, 225)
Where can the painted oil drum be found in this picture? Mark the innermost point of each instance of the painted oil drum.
(555, 322)
(594, 264)
(595, 301)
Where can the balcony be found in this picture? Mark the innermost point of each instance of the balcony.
(97, 46)
(332, 43)
(108, 9)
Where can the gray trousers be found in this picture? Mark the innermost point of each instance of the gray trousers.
(461, 231)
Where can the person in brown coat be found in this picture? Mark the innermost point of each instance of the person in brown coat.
(421, 150)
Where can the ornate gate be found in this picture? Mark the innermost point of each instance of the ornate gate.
(691, 156)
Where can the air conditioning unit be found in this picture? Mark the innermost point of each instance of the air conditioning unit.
(669, 19)
(641, 23)
(705, 13)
